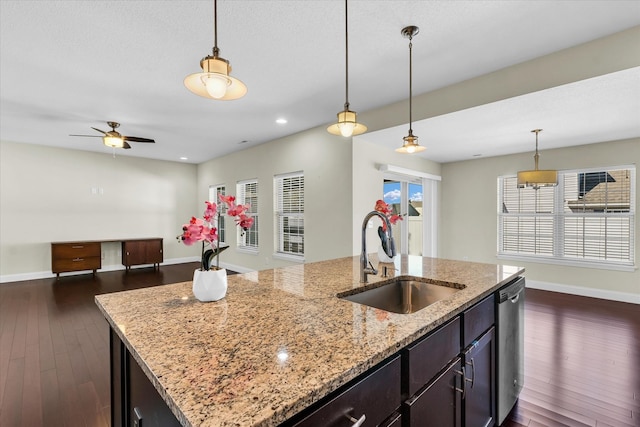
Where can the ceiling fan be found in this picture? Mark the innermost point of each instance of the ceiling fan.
(114, 139)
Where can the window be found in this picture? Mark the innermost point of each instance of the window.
(214, 191)
(289, 214)
(588, 219)
(247, 193)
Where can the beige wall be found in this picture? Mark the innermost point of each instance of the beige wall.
(469, 211)
(326, 162)
(46, 195)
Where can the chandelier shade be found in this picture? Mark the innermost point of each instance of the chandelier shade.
(537, 178)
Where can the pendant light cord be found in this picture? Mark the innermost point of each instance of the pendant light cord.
(346, 50)
(410, 85)
(216, 51)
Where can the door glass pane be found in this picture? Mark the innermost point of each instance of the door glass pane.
(406, 198)
(414, 219)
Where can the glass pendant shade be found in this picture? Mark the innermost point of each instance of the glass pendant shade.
(214, 81)
(410, 145)
(537, 178)
(347, 125)
(113, 141)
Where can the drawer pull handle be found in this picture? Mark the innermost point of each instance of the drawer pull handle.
(473, 373)
(463, 391)
(78, 259)
(357, 422)
(77, 247)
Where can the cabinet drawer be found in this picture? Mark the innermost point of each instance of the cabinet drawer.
(428, 356)
(76, 264)
(478, 319)
(75, 250)
(376, 396)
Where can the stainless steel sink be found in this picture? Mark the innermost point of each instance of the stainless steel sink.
(402, 294)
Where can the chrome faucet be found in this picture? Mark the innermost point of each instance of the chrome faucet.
(388, 245)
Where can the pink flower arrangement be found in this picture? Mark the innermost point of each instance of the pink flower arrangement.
(203, 230)
(387, 211)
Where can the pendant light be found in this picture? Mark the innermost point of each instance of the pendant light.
(347, 124)
(537, 178)
(214, 81)
(410, 144)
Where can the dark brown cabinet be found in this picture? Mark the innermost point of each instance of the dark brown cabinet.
(446, 379)
(142, 251)
(479, 389)
(450, 374)
(135, 401)
(437, 404)
(373, 397)
(75, 256)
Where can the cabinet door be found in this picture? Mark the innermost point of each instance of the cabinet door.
(438, 404)
(133, 252)
(480, 392)
(154, 251)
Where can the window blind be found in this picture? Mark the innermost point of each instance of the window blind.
(214, 191)
(289, 214)
(247, 193)
(588, 217)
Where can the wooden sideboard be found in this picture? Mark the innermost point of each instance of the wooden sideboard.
(86, 255)
(142, 251)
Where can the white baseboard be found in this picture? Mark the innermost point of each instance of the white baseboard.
(115, 267)
(585, 292)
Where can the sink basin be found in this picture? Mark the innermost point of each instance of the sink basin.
(403, 294)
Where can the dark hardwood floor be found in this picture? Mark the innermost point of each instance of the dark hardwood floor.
(582, 354)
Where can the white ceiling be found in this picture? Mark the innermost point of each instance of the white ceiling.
(66, 66)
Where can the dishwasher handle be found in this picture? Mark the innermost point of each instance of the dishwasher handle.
(511, 291)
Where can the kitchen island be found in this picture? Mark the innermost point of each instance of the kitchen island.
(280, 340)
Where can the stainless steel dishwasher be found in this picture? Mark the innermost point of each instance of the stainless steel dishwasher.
(510, 346)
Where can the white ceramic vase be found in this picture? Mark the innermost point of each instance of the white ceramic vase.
(210, 285)
(382, 256)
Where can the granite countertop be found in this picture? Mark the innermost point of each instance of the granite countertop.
(281, 339)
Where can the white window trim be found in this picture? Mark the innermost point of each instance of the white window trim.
(558, 201)
(429, 198)
(276, 238)
(240, 199)
(213, 191)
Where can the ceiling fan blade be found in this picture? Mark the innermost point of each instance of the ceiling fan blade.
(90, 136)
(125, 145)
(137, 139)
(101, 131)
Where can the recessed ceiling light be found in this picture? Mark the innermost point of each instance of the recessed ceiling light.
(477, 155)
(184, 158)
(281, 121)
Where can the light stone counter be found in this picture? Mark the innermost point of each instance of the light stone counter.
(281, 339)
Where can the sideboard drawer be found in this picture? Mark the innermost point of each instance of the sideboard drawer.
(75, 256)
(75, 250)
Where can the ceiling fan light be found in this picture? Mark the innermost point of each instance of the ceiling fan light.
(113, 141)
(347, 125)
(410, 145)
